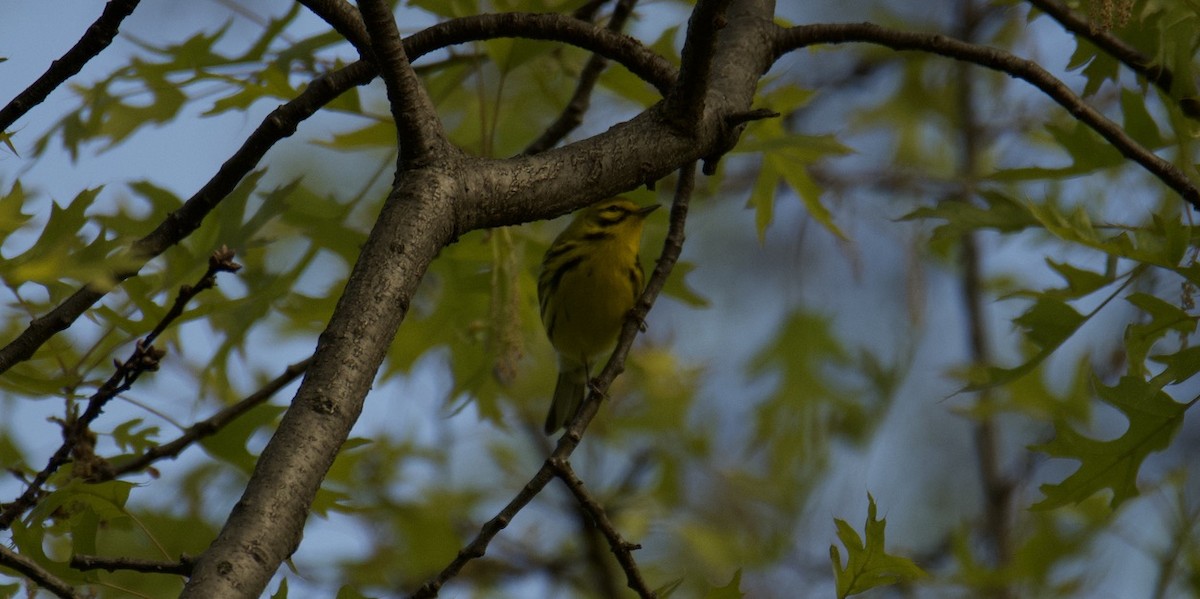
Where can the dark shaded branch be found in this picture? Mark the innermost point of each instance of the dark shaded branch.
(346, 20)
(211, 425)
(282, 123)
(572, 115)
(39, 575)
(627, 51)
(183, 567)
(685, 103)
(622, 549)
(996, 489)
(144, 359)
(793, 38)
(97, 37)
(570, 439)
(418, 127)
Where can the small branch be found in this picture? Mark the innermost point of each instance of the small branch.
(212, 425)
(39, 575)
(685, 103)
(572, 115)
(183, 567)
(97, 37)
(623, 49)
(1131, 57)
(793, 38)
(622, 549)
(672, 246)
(145, 358)
(346, 20)
(418, 126)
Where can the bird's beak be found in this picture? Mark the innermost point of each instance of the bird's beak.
(644, 210)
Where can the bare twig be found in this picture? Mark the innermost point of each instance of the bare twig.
(144, 359)
(97, 37)
(39, 575)
(570, 439)
(793, 38)
(622, 549)
(211, 425)
(183, 567)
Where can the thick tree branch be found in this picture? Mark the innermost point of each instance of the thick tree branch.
(428, 209)
(97, 37)
(282, 123)
(807, 35)
(265, 526)
(39, 575)
(622, 549)
(567, 443)
(418, 127)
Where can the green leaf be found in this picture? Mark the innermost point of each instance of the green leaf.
(1080, 282)
(1154, 418)
(998, 211)
(229, 444)
(137, 441)
(668, 589)
(1181, 366)
(348, 592)
(1047, 323)
(11, 217)
(868, 565)
(729, 591)
(1140, 337)
(282, 591)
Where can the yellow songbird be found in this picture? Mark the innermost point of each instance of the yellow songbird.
(591, 277)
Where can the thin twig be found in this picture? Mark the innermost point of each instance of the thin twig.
(39, 575)
(212, 425)
(672, 246)
(183, 567)
(97, 37)
(622, 549)
(145, 358)
(793, 38)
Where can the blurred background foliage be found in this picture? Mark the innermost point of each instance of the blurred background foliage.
(925, 282)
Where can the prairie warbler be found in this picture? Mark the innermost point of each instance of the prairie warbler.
(590, 279)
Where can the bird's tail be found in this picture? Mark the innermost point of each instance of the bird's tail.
(568, 396)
